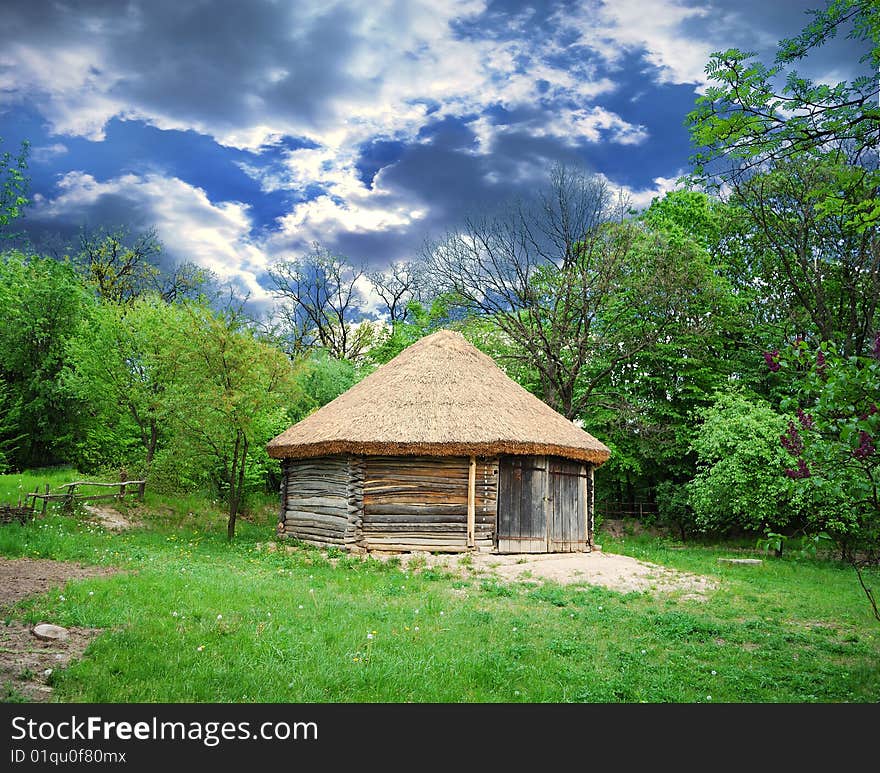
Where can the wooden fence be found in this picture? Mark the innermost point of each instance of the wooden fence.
(610, 509)
(67, 493)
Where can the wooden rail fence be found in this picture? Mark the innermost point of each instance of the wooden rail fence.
(68, 495)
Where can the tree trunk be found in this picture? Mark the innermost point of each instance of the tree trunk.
(236, 482)
(233, 493)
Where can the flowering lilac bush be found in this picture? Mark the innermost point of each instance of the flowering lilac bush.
(832, 447)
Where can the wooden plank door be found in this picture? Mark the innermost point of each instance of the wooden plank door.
(567, 489)
(522, 521)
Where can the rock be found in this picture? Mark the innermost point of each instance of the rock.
(749, 561)
(49, 632)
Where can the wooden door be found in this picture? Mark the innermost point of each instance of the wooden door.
(522, 521)
(567, 486)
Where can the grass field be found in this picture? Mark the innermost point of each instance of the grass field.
(195, 619)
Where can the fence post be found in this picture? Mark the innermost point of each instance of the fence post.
(122, 478)
(45, 501)
(68, 502)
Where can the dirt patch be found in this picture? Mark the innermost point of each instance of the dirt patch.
(109, 518)
(616, 572)
(26, 662)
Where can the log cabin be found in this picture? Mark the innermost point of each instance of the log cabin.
(438, 450)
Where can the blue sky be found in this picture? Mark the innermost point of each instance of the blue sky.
(245, 131)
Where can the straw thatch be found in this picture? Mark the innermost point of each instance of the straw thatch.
(440, 397)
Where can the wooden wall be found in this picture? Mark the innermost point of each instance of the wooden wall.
(322, 500)
(420, 503)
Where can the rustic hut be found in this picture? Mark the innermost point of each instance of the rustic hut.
(439, 450)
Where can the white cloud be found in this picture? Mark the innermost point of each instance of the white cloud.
(642, 197)
(44, 153)
(618, 26)
(214, 235)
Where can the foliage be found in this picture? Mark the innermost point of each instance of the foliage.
(123, 362)
(739, 462)
(13, 186)
(745, 121)
(229, 400)
(832, 445)
(122, 267)
(41, 303)
(321, 378)
(820, 273)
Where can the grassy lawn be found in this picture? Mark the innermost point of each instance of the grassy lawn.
(194, 619)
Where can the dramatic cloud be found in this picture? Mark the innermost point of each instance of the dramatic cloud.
(245, 130)
(215, 236)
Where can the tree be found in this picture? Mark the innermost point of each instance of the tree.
(832, 445)
(577, 291)
(122, 266)
(41, 305)
(321, 304)
(736, 444)
(744, 123)
(13, 186)
(819, 271)
(123, 363)
(230, 399)
(398, 286)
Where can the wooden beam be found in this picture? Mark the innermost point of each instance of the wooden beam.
(471, 509)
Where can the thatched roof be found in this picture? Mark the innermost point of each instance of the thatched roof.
(439, 397)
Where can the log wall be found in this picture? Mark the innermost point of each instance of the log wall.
(420, 503)
(323, 500)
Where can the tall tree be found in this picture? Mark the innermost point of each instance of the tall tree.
(578, 290)
(122, 266)
(401, 283)
(321, 303)
(41, 304)
(231, 398)
(123, 363)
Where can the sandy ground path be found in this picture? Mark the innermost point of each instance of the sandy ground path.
(610, 570)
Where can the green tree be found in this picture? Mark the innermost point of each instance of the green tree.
(230, 398)
(122, 266)
(737, 445)
(13, 187)
(42, 303)
(832, 446)
(744, 123)
(122, 363)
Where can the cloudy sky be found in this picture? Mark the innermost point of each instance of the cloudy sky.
(246, 131)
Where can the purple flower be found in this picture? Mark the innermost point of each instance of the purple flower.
(820, 363)
(772, 360)
(866, 446)
(806, 419)
(875, 352)
(802, 471)
(791, 440)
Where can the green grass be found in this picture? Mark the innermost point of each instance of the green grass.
(194, 619)
(21, 484)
